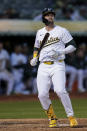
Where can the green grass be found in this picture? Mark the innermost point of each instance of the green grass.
(33, 109)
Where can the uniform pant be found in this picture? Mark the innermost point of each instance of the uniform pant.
(48, 74)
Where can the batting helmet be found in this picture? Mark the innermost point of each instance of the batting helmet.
(45, 12)
(48, 10)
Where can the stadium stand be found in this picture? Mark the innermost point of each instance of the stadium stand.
(29, 9)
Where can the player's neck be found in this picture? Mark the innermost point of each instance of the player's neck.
(50, 27)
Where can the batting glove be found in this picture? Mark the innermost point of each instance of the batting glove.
(33, 62)
(57, 53)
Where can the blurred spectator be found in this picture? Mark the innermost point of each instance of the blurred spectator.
(17, 61)
(24, 10)
(5, 75)
(85, 74)
(27, 76)
(70, 70)
(76, 15)
(29, 72)
(8, 46)
(80, 65)
(83, 11)
(72, 14)
(83, 47)
(10, 13)
(75, 67)
(25, 50)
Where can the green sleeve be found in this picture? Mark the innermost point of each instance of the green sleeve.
(36, 49)
(72, 42)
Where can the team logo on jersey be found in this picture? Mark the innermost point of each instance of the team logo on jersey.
(51, 41)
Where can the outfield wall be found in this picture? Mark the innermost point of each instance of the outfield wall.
(26, 27)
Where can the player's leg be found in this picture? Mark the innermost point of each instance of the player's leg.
(59, 80)
(43, 86)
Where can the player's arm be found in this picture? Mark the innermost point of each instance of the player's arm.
(33, 62)
(35, 52)
(70, 47)
(69, 42)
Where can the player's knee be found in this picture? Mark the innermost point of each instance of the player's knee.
(41, 96)
(61, 92)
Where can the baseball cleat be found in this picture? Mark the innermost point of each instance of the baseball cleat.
(73, 121)
(53, 123)
(50, 113)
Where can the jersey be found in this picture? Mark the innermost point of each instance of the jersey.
(17, 59)
(3, 57)
(57, 40)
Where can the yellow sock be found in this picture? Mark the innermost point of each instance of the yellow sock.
(50, 113)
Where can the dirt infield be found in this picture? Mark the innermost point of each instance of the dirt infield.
(39, 125)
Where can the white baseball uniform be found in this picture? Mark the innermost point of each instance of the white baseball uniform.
(4, 73)
(53, 73)
(18, 59)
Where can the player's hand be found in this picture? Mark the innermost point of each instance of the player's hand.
(56, 54)
(52, 54)
(33, 62)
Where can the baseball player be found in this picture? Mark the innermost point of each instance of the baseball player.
(52, 67)
(17, 59)
(4, 73)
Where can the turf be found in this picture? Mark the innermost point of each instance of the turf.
(33, 109)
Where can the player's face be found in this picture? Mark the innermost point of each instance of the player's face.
(50, 17)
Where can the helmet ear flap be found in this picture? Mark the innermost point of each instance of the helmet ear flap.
(44, 20)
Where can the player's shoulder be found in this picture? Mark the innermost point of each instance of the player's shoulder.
(41, 30)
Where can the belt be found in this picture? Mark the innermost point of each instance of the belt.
(51, 62)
